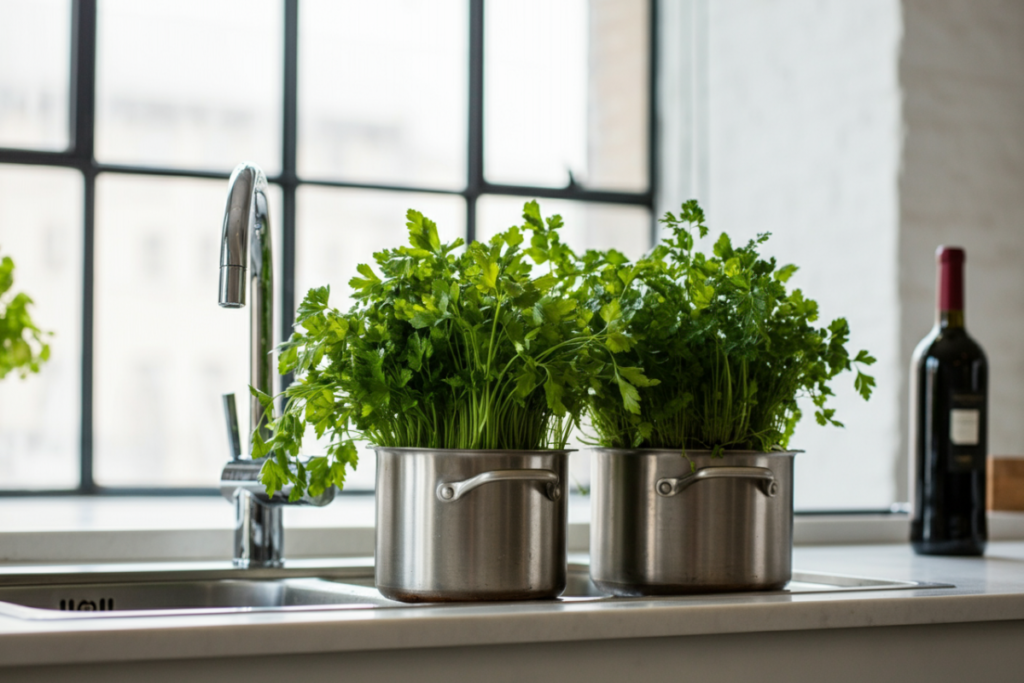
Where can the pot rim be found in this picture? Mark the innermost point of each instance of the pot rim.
(691, 452)
(470, 452)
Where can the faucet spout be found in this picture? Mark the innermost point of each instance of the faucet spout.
(246, 258)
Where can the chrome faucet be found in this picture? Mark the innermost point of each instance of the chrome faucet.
(245, 241)
(246, 258)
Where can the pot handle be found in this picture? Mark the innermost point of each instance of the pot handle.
(453, 490)
(670, 486)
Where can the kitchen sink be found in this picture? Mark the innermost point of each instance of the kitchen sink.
(191, 588)
(210, 596)
(99, 591)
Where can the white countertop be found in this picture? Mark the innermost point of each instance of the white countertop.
(988, 589)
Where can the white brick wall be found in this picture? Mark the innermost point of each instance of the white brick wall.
(804, 127)
(862, 135)
(962, 72)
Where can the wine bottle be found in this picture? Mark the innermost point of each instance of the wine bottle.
(948, 426)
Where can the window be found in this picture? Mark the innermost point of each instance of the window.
(120, 121)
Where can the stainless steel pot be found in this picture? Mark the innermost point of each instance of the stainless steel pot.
(659, 527)
(470, 525)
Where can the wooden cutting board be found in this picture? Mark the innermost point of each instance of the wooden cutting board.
(1005, 486)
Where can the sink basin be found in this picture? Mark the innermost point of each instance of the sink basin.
(205, 596)
(216, 588)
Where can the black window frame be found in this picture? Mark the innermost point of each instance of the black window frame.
(80, 156)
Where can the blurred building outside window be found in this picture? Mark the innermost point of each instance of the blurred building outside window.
(189, 89)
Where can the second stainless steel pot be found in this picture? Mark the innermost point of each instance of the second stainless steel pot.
(470, 525)
(661, 526)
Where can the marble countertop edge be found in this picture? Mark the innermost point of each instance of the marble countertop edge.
(257, 634)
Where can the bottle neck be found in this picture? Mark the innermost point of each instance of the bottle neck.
(951, 293)
(950, 320)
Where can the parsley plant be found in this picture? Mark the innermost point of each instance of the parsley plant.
(445, 348)
(22, 348)
(725, 349)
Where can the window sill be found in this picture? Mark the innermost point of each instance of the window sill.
(84, 529)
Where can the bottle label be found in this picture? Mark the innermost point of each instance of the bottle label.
(964, 426)
(966, 437)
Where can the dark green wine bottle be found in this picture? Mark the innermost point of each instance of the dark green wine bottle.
(949, 426)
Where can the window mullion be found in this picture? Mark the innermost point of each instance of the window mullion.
(83, 79)
(83, 117)
(289, 173)
(475, 148)
(653, 159)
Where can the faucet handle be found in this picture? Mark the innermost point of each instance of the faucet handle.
(231, 416)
